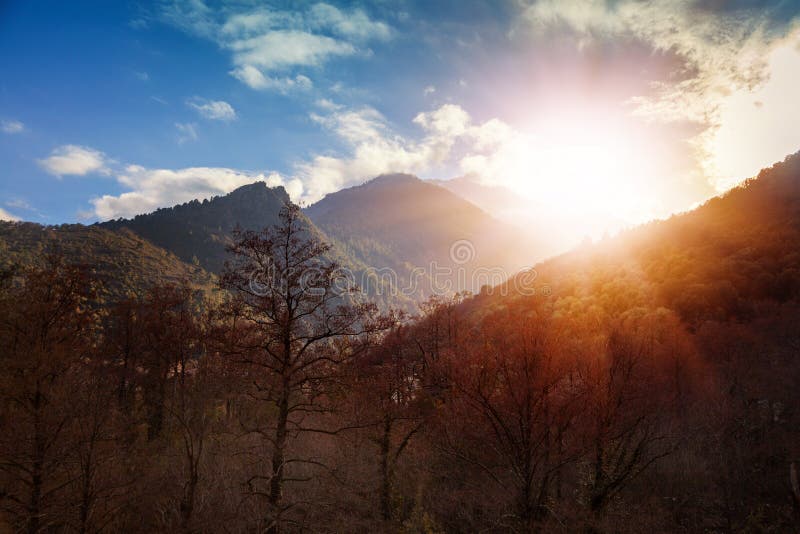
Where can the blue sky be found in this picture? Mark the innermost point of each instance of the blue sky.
(638, 108)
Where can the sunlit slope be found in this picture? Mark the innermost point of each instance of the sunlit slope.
(123, 261)
(726, 260)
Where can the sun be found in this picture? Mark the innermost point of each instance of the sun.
(589, 169)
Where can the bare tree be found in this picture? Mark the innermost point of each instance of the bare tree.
(46, 324)
(389, 391)
(289, 321)
(627, 393)
(509, 413)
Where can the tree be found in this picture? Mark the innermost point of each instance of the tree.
(510, 411)
(97, 464)
(46, 334)
(628, 391)
(289, 322)
(170, 341)
(389, 390)
(123, 343)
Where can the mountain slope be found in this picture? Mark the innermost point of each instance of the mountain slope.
(401, 222)
(123, 261)
(496, 200)
(721, 261)
(712, 297)
(197, 232)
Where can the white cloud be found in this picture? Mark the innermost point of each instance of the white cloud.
(448, 120)
(267, 44)
(752, 125)
(327, 104)
(213, 109)
(151, 189)
(355, 24)
(74, 160)
(729, 58)
(719, 51)
(449, 138)
(258, 22)
(375, 149)
(141, 75)
(11, 126)
(6, 216)
(429, 90)
(18, 203)
(255, 79)
(187, 131)
(284, 48)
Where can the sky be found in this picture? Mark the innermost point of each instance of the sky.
(624, 110)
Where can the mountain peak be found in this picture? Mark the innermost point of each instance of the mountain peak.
(259, 188)
(198, 231)
(393, 179)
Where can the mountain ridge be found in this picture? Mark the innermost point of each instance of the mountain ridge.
(401, 222)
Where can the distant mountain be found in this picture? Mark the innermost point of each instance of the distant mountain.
(199, 231)
(400, 222)
(496, 200)
(125, 262)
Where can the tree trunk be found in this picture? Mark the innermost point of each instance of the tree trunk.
(278, 459)
(34, 505)
(187, 506)
(386, 482)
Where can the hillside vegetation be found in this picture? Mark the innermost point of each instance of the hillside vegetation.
(124, 262)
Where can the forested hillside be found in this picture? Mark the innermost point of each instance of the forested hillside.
(199, 232)
(713, 294)
(124, 262)
(645, 383)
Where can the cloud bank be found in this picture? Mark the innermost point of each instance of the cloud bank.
(267, 46)
(371, 148)
(735, 73)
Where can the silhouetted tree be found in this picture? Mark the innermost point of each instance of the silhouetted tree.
(290, 317)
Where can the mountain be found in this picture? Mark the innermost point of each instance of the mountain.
(125, 262)
(199, 231)
(494, 199)
(424, 233)
(724, 260)
(700, 311)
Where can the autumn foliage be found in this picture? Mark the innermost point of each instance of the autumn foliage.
(654, 389)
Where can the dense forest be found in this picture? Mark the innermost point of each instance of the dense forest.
(651, 388)
(124, 262)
